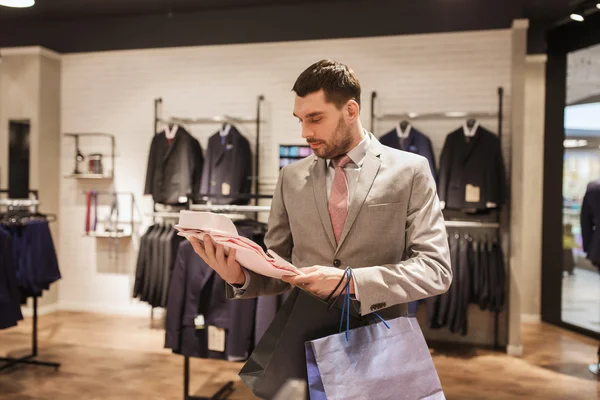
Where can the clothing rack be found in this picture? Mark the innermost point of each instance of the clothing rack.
(219, 119)
(502, 224)
(228, 388)
(30, 358)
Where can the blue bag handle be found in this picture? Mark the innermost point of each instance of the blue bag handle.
(346, 304)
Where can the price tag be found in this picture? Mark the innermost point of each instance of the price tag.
(225, 189)
(216, 339)
(199, 322)
(472, 193)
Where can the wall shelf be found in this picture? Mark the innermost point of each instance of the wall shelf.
(79, 157)
(89, 176)
(108, 235)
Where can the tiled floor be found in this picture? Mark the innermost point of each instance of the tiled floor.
(111, 358)
(581, 299)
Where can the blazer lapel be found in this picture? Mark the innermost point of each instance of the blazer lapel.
(366, 178)
(172, 145)
(221, 149)
(410, 140)
(319, 182)
(471, 143)
(396, 142)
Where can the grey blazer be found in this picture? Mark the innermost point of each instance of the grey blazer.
(394, 237)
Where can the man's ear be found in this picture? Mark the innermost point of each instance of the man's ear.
(352, 110)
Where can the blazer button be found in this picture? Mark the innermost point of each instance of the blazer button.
(337, 263)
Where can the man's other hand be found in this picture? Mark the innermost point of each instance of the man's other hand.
(214, 255)
(319, 280)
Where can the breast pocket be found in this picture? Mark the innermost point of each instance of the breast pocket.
(383, 204)
(385, 215)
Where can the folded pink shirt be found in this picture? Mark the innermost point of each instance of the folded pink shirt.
(248, 253)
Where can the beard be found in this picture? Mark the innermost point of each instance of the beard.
(338, 144)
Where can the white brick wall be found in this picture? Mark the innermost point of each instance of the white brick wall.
(114, 91)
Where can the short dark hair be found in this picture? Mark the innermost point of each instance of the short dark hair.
(339, 82)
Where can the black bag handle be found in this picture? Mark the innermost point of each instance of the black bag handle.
(336, 288)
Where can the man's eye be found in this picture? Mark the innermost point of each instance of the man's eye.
(315, 121)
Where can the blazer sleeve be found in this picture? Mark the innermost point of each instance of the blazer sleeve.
(197, 165)
(247, 175)
(445, 167)
(278, 239)
(208, 162)
(427, 270)
(587, 222)
(175, 302)
(430, 157)
(151, 166)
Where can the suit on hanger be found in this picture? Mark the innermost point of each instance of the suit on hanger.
(174, 169)
(195, 289)
(394, 236)
(475, 161)
(590, 221)
(228, 169)
(415, 142)
(142, 263)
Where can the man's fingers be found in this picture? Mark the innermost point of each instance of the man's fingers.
(231, 258)
(198, 247)
(209, 249)
(220, 254)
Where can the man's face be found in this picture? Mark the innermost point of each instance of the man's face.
(323, 125)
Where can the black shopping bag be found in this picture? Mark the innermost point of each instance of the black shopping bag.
(280, 354)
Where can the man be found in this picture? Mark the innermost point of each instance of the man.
(354, 203)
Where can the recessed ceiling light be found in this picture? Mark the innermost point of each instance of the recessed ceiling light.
(17, 3)
(577, 17)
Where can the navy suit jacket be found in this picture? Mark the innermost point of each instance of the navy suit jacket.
(416, 142)
(196, 289)
(228, 168)
(590, 219)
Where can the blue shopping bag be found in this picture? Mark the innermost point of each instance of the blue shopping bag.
(383, 361)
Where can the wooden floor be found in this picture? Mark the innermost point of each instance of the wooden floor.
(110, 358)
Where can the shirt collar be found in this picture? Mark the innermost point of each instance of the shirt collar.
(359, 152)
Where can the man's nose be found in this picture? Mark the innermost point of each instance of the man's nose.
(306, 132)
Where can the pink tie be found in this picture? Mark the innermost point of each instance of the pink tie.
(338, 199)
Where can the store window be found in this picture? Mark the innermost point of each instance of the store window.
(581, 191)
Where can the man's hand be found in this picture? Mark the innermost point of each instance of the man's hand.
(319, 280)
(214, 255)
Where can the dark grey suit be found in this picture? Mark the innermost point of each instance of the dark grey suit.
(590, 219)
(174, 170)
(476, 161)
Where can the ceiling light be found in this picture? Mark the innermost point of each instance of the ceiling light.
(577, 17)
(598, 5)
(17, 3)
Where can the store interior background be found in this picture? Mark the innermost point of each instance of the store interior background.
(99, 68)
